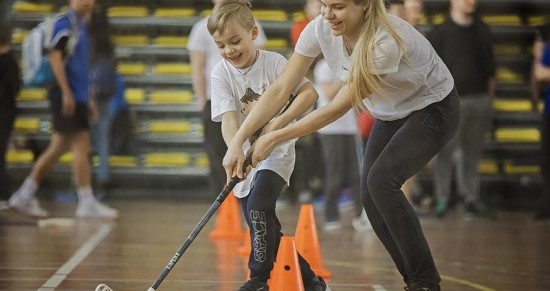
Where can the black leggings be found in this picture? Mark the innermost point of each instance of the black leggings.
(396, 150)
(265, 229)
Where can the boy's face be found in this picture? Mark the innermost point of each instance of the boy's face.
(236, 44)
(466, 7)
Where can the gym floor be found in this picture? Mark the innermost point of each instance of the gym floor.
(509, 253)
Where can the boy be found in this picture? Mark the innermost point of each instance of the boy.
(237, 83)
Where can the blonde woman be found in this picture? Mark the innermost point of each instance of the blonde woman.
(392, 71)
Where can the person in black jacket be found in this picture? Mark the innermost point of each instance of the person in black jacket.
(463, 42)
(9, 88)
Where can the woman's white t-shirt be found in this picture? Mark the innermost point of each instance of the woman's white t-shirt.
(234, 91)
(347, 124)
(413, 79)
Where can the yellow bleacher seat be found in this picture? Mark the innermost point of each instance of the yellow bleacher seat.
(537, 20)
(167, 159)
(19, 157)
(131, 40)
(27, 124)
(511, 168)
(298, 16)
(276, 43)
(135, 68)
(175, 12)
(423, 19)
(488, 167)
(118, 161)
(128, 11)
(270, 15)
(512, 105)
(517, 135)
(29, 7)
(66, 158)
(438, 18)
(505, 19)
(134, 95)
(171, 96)
(32, 94)
(172, 69)
(507, 49)
(171, 41)
(541, 106)
(201, 161)
(163, 126)
(506, 75)
(18, 36)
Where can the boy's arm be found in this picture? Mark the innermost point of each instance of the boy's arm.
(305, 98)
(230, 126)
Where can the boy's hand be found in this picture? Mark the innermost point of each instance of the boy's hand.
(233, 162)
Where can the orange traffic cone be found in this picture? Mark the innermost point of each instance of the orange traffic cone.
(246, 247)
(286, 274)
(228, 225)
(307, 241)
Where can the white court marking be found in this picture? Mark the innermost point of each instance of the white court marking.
(378, 288)
(62, 273)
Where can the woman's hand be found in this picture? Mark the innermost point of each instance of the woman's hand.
(233, 161)
(263, 147)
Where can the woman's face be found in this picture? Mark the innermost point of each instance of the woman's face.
(345, 17)
(236, 44)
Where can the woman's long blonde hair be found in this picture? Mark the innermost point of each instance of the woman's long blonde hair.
(361, 80)
(226, 11)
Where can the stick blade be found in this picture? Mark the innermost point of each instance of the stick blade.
(103, 287)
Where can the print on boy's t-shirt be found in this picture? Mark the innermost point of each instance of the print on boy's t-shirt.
(248, 101)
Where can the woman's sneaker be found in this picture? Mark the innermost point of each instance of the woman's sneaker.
(27, 207)
(254, 284)
(95, 210)
(317, 284)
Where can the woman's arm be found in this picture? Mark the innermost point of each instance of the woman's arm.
(267, 107)
(310, 123)
(542, 73)
(305, 98)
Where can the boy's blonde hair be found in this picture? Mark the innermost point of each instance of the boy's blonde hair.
(226, 11)
(362, 81)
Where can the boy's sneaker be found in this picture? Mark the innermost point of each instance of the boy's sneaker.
(317, 284)
(254, 284)
(95, 210)
(27, 207)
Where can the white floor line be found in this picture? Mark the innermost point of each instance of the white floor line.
(62, 273)
(378, 288)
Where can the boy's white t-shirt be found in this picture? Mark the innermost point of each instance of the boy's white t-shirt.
(413, 79)
(200, 40)
(233, 91)
(347, 124)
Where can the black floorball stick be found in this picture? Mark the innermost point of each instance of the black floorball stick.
(205, 218)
